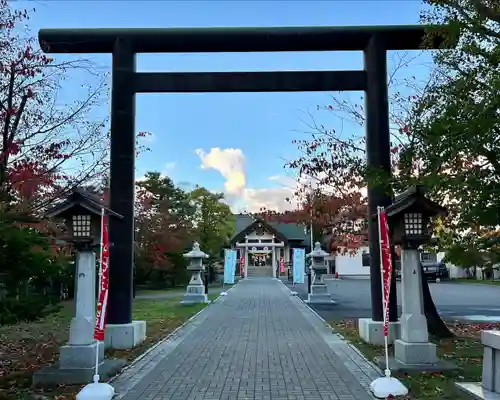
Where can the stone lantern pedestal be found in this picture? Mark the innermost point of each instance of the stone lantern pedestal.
(413, 351)
(77, 358)
(319, 291)
(414, 347)
(195, 291)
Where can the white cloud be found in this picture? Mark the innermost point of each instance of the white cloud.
(231, 165)
(278, 199)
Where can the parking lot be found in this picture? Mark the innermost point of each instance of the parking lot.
(454, 301)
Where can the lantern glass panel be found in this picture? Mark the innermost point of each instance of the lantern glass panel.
(196, 262)
(413, 224)
(82, 226)
(318, 260)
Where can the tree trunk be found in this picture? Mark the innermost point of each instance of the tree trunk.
(435, 325)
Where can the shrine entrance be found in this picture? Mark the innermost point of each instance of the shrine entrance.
(124, 44)
(260, 257)
(260, 262)
(262, 246)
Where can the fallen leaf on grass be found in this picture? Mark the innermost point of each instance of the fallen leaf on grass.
(469, 329)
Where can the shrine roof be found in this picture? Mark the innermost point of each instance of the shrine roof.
(290, 231)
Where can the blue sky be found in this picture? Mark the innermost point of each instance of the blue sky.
(261, 126)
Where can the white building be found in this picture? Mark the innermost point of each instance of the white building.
(355, 265)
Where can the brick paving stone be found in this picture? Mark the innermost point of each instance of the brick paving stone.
(257, 343)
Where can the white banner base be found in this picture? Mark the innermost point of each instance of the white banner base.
(385, 386)
(96, 391)
(223, 293)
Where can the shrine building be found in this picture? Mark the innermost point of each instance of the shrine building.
(262, 244)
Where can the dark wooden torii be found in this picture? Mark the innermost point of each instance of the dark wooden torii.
(124, 44)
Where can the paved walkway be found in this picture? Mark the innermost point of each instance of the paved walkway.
(258, 342)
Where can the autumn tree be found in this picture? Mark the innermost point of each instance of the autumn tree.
(338, 158)
(339, 220)
(48, 143)
(163, 230)
(334, 162)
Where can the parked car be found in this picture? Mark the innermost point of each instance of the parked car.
(431, 270)
(434, 270)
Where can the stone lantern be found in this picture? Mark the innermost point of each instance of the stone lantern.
(319, 291)
(81, 213)
(410, 222)
(195, 291)
(410, 218)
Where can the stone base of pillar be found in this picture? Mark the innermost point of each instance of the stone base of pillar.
(125, 336)
(77, 366)
(415, 357)
(319, 295)
(54, 375)
(80, 356)
(195, 294)
(372, 332)
(397, 366)
(415, 353)
(476, 391)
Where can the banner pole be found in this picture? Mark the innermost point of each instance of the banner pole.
(386, 386)
(96, 374)
(384, 301)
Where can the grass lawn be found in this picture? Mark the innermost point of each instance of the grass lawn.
(176, 290)
(475, 281)
(465, 350)
(27, 347)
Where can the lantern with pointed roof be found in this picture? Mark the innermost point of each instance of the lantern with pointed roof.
(81, 213)
(195, 257)
(195, 291)
(410, 218)
(318, 257)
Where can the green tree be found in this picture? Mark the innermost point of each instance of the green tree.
(457, 124)
(161, 189)
(163, 230)
(213, 221)
(28, 272)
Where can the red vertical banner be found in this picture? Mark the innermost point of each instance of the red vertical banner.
(100, 321)
(282, 265)
(386, 260)
(242, 264)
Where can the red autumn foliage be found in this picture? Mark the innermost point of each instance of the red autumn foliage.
(48, 144)
(336, 163)
(158, 231)
(339, 219)
(45, 146)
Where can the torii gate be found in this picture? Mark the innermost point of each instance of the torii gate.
(124, 44)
